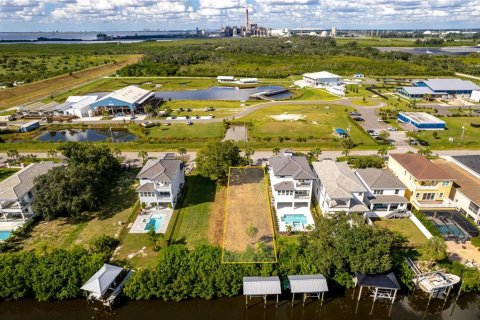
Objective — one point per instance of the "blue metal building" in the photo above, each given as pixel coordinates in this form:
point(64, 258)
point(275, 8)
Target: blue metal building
point(421, 120)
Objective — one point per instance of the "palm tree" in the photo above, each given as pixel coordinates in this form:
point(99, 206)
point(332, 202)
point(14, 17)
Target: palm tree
point(182, 151)
point(52, 153)
point(346, 153)
point(13, 154)
point(435, 249)
point(143, 155)
point(382, 152)
point(289, 229)
point(316, 152)
point(276, 151)
point(426, 152)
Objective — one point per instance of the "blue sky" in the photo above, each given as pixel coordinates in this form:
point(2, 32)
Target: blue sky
point(104, 15)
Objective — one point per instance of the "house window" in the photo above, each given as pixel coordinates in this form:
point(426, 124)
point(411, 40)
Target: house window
point(428, 196)
point(397, 191)
point(473, 207)
point(377, 191)
point(440, 195)
point(417, 195)
point(445, 183)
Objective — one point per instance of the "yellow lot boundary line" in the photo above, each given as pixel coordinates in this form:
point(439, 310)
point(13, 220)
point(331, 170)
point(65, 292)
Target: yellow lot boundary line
point(271, 219)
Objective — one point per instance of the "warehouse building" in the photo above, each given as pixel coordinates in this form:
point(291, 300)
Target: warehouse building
point(439, 88)
point(79, 106)
point(322, 79)
point(127, 100)
point(421, 120)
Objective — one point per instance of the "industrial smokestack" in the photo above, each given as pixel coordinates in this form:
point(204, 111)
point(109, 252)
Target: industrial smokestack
point(246, 21)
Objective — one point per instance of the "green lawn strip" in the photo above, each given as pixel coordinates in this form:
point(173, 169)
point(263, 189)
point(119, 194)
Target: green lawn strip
point(471, 136)
point(193, 215)
point(7, 172)
point(316, 94)
point(178, 131)
point(137, 250)
point(73, 235)
point(406, 228)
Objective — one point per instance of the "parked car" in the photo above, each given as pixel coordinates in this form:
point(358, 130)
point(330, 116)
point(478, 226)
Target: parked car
point(392, 129)
point(197, 117)
point(148, 124)
point(189, 123)
point(354, 114)
point(118, 115)
point(173, 117)
point(132, 117)
point(380, 120)
point(187, 117)
point(209, 109)
point(189, 110)
point(371, 132)
point(212, 116)
point(167, 123)
point(358, 119)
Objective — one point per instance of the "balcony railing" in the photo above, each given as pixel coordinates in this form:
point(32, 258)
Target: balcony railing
point(435, 187)
point(302, 196)
point(303, 184)
point(433, 204)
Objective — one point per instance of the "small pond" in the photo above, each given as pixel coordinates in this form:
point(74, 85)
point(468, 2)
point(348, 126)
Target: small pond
point(220, 93)
point(87, 135)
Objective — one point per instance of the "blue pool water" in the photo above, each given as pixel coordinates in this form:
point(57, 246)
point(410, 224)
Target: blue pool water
point(155, 222)
point(294, 218)
point(450, 229)
point(5, 234)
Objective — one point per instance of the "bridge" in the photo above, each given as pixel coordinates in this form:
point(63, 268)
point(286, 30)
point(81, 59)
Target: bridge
point(265, 94)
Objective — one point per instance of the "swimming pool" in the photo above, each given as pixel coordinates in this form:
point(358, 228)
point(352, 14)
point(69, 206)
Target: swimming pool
point(450, 229)
point(155, 223)
point(5, 234)
point(294, 219)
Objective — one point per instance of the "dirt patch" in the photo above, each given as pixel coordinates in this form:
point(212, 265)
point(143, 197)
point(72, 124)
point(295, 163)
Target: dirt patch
point(248, 208)
point(217, 217)
point(288, 117)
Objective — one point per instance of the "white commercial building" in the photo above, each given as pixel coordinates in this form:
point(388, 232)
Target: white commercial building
point(79, 106)
point(322, 79)
point(226, 78)
point(475, 97)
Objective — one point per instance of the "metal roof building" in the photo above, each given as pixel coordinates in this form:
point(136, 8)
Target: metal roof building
point(421, 120)
point(384, 285)
point(261, 287)
point(322, 78)
point(130, 97)
point(438, 88)
point(314, 285)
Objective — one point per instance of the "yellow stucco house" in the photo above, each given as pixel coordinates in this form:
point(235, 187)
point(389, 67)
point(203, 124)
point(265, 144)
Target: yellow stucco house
point(428, 185)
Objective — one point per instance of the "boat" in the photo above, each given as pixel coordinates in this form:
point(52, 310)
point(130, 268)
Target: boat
point(437, 283)
point(428, 52)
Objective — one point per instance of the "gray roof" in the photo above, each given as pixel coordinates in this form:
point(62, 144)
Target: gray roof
point(383, 281)
point(160, 169)
point(147, 187)
point(338, 179)
point(261, 285)
point(472, 162)
point(21, 182)
point(450, 84)
point(284, 186)
point(389, 199)
point(102, 279)
point(418, 90)
point(295, 166)
point(357, 206)
point(380, 179)
point(308, 283)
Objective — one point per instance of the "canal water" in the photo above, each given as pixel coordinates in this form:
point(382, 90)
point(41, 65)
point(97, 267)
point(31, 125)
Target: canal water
point(87, 135)
point(220, 93)
point(338, 308)
point(449, 51)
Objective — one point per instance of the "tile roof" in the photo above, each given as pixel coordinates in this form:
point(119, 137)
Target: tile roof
point(465, 182)
point(21, 182)
point(337, 178)
point(284, 186)
point(295, 166)
point(380, 179)
point(420, 167)
point(147, 187)
point(160, 169)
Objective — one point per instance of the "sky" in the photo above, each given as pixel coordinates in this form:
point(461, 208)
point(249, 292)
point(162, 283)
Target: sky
point(124, 15)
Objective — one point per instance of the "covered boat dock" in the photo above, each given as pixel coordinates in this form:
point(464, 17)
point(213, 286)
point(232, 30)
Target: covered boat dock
point(314, 285)
point(383, 286)
point(261, 287)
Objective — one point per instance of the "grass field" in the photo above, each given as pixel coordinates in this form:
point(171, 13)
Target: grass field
point(6, 172)
point(471, 137)
point(316, 124)
point(316, 94)
point(367, 102)
point(406, 228)
point(52, 86)
point(111, 220)
point(178, 131)
point(222, 108)
point(248, 234)
point(193, 215)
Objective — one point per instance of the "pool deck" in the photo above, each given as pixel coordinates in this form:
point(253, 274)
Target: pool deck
point(144, 216)
point(282, 226)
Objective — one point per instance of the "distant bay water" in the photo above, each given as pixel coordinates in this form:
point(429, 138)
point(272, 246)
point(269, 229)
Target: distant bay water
point(88, 37)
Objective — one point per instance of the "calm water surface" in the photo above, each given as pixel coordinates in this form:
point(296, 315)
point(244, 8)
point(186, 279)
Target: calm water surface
point(412, 307)
point(86, 135)
point(220, 93)
point(449, 51)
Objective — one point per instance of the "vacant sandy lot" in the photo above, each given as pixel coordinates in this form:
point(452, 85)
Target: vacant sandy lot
point(247, 207)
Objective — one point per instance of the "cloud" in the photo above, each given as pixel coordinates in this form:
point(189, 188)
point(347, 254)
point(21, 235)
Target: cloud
point(269, 13)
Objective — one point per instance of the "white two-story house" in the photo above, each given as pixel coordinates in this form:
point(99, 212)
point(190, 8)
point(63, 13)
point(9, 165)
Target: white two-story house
point(161, 181)
point(385, 192)
point(337, 188)
point(17, 194)
point(291, 180)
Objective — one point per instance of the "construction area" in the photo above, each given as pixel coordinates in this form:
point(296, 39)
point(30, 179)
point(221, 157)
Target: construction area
point(248, 230)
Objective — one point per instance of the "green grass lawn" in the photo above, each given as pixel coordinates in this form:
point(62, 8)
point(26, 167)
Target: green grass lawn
point(192, 217)
point(7, 172)
point(315, 94)
point(222, 108)
point(316, 125)
point(180, 130)
point(112, 220)
point(406, 228)
point(471, 138)
point(137, 250)
point(367, 102)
